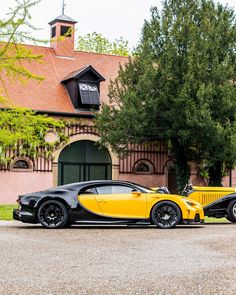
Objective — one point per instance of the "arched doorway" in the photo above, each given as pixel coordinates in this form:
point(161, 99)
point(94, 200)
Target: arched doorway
point(82, 161)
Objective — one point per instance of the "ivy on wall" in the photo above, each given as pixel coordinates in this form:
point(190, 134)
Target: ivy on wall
point(24, 131)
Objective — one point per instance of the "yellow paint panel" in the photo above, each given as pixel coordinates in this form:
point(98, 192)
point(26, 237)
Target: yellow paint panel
point(122, 205)
point(89, 202)
point(214, 189)
point(210, 194)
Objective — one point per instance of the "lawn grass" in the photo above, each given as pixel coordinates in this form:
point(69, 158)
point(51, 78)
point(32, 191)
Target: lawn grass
point(6, 212)
point(215, 220)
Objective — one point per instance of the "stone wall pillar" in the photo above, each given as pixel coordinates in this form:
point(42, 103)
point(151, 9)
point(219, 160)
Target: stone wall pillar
point(55, 173)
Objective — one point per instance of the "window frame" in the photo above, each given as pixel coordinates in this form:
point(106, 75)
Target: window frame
point(25, 159)
point(121, 185)
point(86, 188)
point(53, 32)
point(62, 27)
point(80, 99)
point(143, 162)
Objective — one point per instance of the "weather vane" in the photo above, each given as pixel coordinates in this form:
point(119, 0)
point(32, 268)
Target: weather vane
point(63, 7)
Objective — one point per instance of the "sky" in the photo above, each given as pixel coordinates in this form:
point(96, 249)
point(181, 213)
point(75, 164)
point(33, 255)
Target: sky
point(111, 18)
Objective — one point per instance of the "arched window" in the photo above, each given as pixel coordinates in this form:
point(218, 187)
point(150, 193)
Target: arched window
point(21, 164)
point(143, 167)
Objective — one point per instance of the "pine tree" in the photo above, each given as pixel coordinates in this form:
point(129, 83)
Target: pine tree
point(180, 87)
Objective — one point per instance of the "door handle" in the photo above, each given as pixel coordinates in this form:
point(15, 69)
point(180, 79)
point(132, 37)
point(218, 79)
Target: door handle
point(102, 201)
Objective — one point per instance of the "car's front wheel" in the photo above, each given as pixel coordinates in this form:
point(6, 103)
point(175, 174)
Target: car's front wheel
point(166, 214)
point(52, 214)
point(232, 211)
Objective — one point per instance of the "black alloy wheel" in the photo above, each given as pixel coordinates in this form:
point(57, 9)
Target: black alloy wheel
point(166, 214)
point(52, 214)
point(232, 211)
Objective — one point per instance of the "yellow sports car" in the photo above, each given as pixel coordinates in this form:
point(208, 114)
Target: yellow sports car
point(106, 202)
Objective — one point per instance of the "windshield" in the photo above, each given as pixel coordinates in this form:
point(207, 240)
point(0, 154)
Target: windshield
point(144, 189)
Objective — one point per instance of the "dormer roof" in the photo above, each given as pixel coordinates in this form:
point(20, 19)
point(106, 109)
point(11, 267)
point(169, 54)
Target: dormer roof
point(79, 73)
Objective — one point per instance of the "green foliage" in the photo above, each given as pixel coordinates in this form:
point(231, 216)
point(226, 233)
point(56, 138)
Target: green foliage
point(13, 56)
point(97, 43)
point(180, 87)
point(21, 130)
point(24, 131)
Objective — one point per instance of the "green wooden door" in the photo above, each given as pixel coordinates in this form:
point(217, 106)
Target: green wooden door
point(81, 161)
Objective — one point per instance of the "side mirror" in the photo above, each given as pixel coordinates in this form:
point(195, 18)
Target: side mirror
point(136, 194)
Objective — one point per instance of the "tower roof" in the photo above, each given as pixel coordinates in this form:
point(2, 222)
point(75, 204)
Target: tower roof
point(63, 18)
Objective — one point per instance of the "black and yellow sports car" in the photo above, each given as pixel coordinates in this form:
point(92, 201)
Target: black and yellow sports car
point(106, 202)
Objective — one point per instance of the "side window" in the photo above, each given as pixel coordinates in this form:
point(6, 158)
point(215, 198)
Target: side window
point(65, 31)
point(88, 191)
point(53, 32)
point(114, 189)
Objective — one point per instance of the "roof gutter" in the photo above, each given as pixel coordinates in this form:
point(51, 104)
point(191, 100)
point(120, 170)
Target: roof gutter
point(63, 114)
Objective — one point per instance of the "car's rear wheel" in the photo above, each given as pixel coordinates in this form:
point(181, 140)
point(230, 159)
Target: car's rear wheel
point(232, 211)
point(166, 214)
point(52, 214)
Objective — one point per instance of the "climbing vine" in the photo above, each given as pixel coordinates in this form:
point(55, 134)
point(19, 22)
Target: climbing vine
point(24, 131)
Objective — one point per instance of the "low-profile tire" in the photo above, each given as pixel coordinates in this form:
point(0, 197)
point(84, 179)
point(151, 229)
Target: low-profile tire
point(52, 214)
point(166, 214)
point(232, 211)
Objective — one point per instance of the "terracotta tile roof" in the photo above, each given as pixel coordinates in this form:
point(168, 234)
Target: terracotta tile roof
point(51, 95)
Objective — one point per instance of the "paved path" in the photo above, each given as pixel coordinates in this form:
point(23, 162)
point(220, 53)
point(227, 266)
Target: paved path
point(117, 260)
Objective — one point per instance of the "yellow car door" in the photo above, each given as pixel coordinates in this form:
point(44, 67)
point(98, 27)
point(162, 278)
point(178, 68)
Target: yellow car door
point(121, 201)
point(88, 200)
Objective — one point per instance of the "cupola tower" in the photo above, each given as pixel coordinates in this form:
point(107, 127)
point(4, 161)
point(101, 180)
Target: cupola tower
point(63, 35)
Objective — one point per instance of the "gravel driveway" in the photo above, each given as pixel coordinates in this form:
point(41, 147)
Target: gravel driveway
point(117, 260)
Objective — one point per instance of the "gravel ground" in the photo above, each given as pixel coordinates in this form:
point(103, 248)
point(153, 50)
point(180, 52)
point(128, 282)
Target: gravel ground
point(117, 260)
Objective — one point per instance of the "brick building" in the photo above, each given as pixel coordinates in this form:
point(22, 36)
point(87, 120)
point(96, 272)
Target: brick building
point(74, 82)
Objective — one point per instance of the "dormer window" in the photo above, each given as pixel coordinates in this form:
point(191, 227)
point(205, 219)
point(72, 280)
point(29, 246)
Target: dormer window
point(89, 94)
point(83, 87)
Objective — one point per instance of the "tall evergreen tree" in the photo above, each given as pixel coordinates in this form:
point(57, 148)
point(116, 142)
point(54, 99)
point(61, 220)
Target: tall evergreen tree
point(179, 87)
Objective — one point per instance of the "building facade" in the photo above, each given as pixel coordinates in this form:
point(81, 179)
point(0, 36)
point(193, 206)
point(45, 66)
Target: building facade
point(74, 82)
